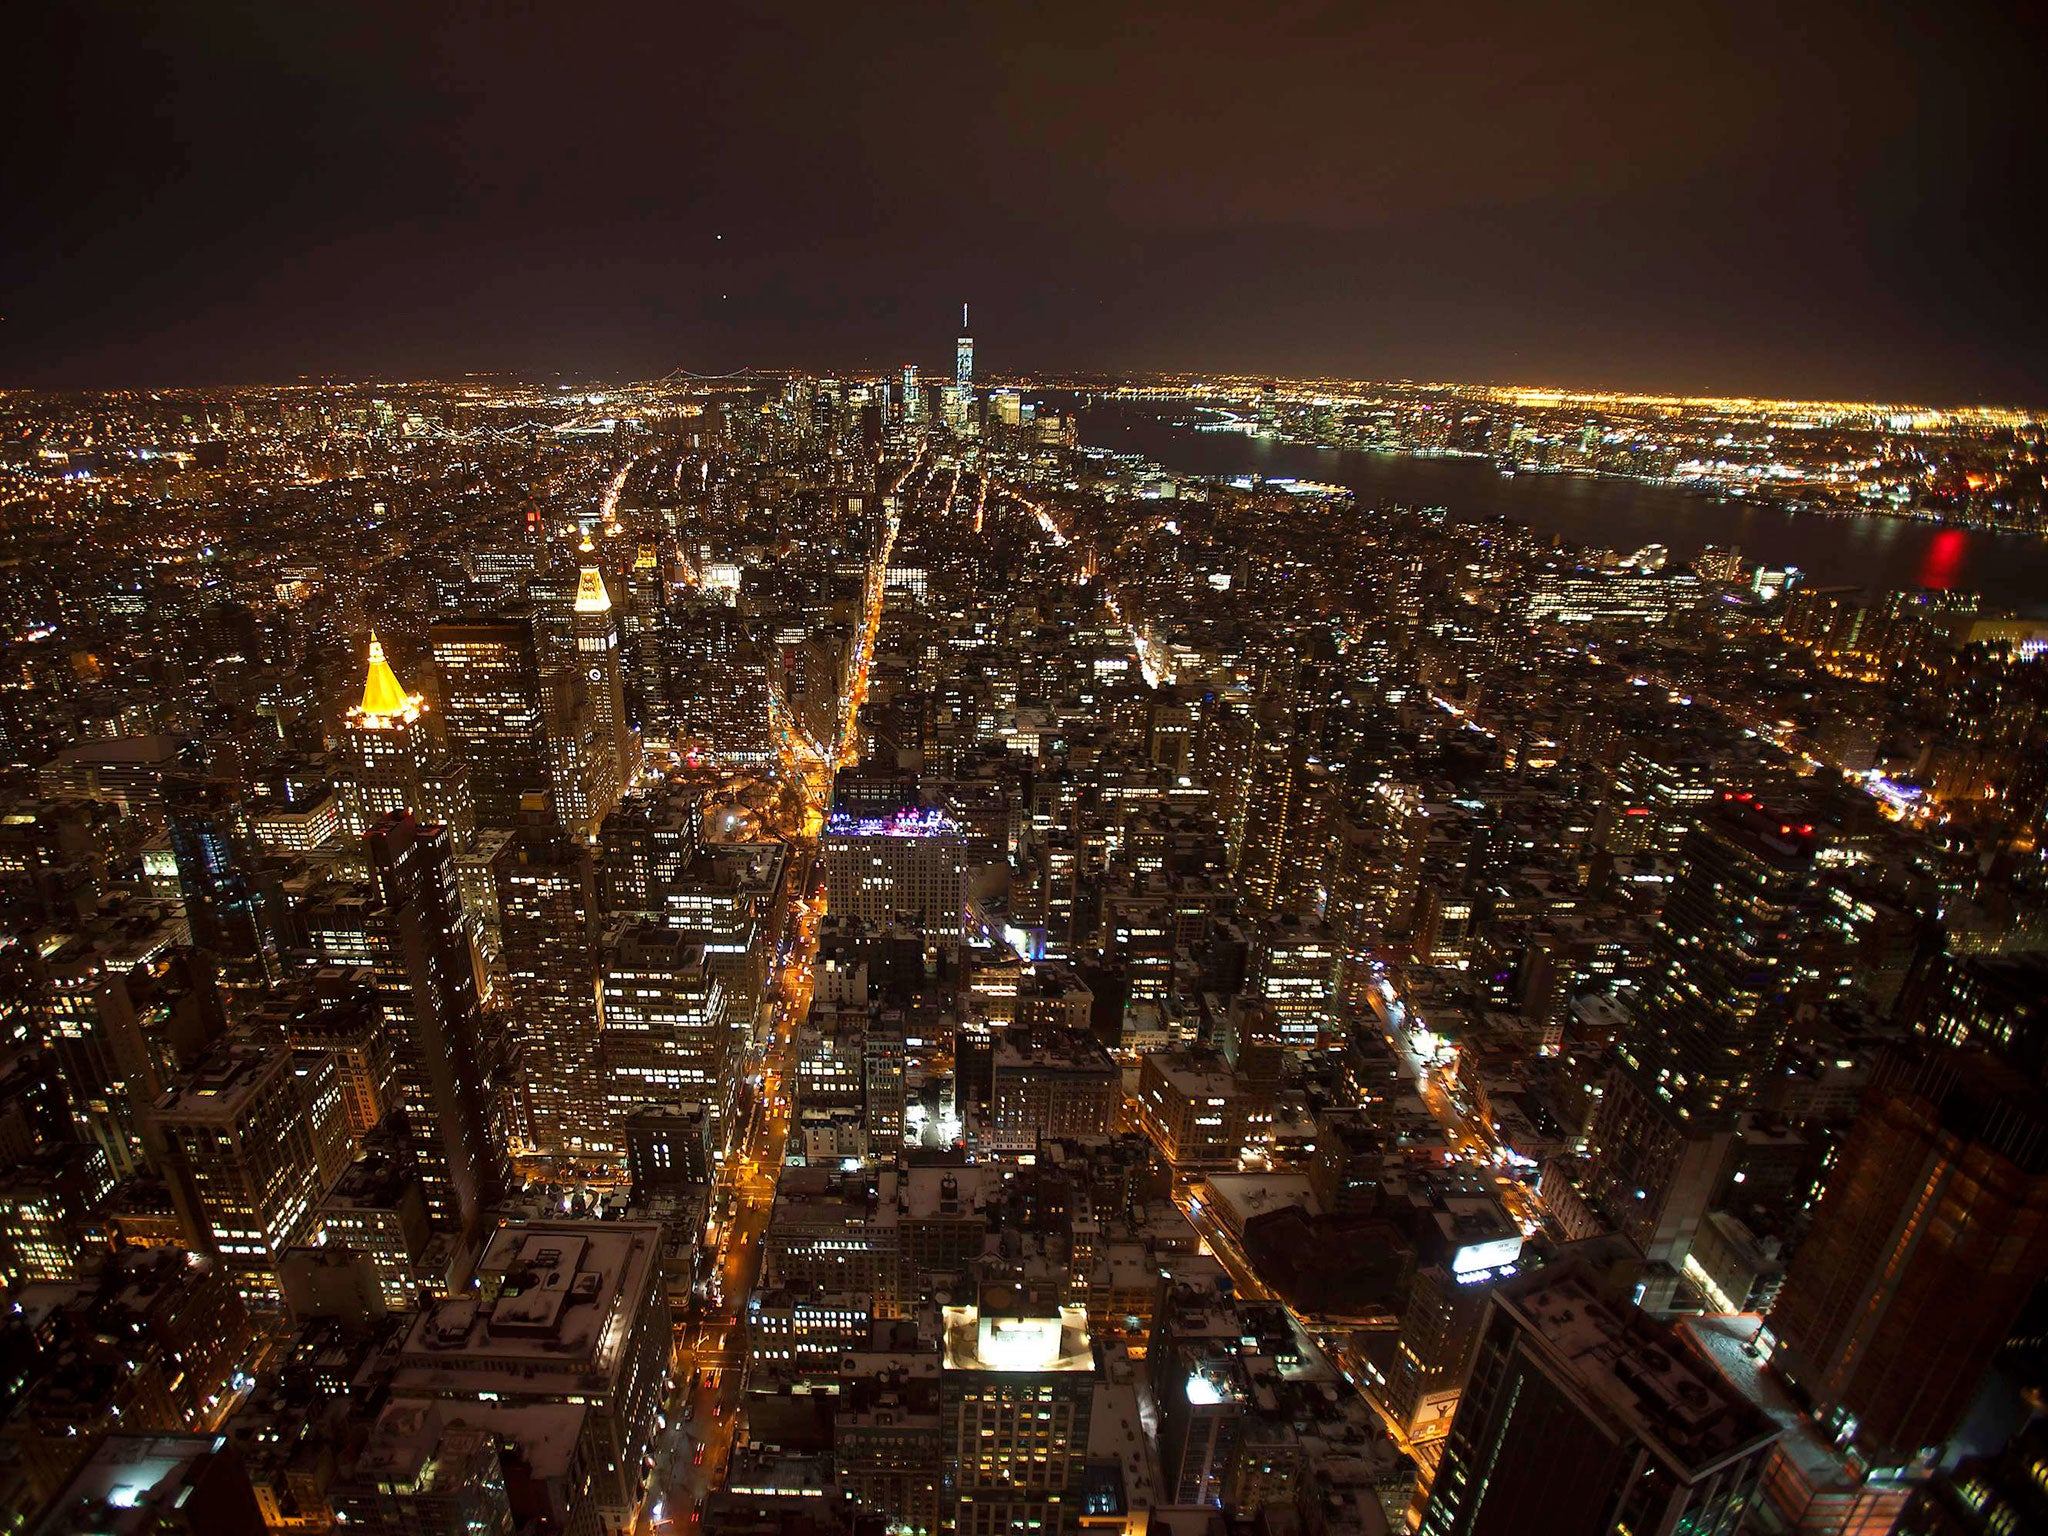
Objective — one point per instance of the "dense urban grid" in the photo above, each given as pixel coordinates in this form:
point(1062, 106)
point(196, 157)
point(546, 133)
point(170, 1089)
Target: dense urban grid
point(819, 954)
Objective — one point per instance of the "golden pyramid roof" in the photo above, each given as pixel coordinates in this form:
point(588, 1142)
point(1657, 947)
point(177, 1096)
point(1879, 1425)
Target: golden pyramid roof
point(382, 693)
point(591, 596)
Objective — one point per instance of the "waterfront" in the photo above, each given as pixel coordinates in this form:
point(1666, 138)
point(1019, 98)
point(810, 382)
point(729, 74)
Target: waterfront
point(1608, 512)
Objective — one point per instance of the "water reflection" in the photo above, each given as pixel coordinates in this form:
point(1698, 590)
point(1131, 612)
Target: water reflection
point(1880, 553)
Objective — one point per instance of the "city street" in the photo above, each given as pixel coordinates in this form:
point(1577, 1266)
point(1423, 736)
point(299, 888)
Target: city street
point(697, 1447)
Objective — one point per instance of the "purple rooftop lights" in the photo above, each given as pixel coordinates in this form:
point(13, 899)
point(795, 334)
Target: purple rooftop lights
point(927, 821)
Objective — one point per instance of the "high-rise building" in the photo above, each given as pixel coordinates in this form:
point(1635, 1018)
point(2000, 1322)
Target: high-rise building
point(1731, 952)
point(547, 922)
point(387, 740)
point(884, 1099)
point(1050, 1085)
point(579, 760)
point(102, 1061)
point(1294, 973)
point(1016, 1389)
point(963, 357)
point(1200, 1386)
point(1655, 795)
point(1931, 1235)
point(666, 1034)
point(378, 1213)
point(427, 1470)
point(1997, 1003)
point(409, 928)
point(912, 405)
point(1582, 1414)
point(255, 1137)
point(495, 709)
point(565, 1339)
point(715, 678)
point(1730, 948)
point(1201, 1112)
point(50, 1204)
point(644, 847)
point(338, 1014)
point(601, 669)
point(233, 905)
point(1653, 1174)
point(836, 1231)
point(668, 1147)
point(909, 868)
point(1260, 809)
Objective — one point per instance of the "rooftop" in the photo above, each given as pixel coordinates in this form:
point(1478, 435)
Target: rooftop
point(555, 1304)
point(130, 1482)
point(912, 823)
point(223, 1084)
point(1645, 1373)
point(1056, 1341)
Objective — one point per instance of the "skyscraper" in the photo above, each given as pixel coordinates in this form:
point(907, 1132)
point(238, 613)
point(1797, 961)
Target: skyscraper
point(1993, 1002)
point(231, 905)
point(102, 1063)
point(666, 1034)
point(1583, 1415)
point(1729, 955)
point(411, 930)
point(599, 663)
point(1200, 1384)
point(882, 1087)
point(963, 357)
point(386, 736)
point(715, 680)
point(1931, 1235)
point(1259, 837)
point(492, 700)
point(907, 868)
point(646, 844)
point(547, 923)
point(256, 1136)
point(1728, 958)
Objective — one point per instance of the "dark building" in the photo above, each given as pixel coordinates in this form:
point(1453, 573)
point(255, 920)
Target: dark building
point(1931, 1236)
point(668, 1147)
point(230, 901)
point(136, 1482)
point(2000, 1495)
point(1582, 1414)
point(547, 923)
point(1729, 952)
point(1990, 1002)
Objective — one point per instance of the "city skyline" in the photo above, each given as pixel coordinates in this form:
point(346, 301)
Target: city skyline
point(1124, 901)
point(892, 946)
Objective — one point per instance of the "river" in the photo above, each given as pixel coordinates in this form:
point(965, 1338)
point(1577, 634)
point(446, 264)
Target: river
point(1607, 512)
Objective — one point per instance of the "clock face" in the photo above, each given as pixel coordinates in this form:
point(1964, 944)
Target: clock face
point(597, 674)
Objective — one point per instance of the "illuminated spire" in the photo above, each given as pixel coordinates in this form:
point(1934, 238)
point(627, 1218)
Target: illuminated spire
point(591, 597)
point(383, 696)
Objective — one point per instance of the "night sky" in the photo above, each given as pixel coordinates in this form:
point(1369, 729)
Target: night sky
point(1812, 198)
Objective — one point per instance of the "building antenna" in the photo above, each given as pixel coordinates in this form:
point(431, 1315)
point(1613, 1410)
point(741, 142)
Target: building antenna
point(963, 319)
